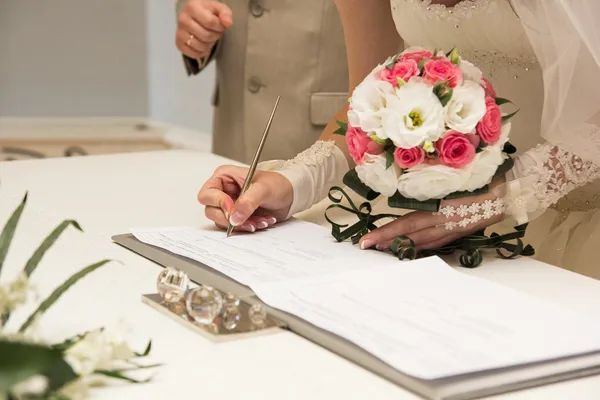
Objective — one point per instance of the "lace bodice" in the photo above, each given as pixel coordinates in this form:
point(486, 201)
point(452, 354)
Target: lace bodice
point(489, 34)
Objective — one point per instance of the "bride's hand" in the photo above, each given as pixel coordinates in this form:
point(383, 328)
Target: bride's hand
point(428, 230)
point(267, 200)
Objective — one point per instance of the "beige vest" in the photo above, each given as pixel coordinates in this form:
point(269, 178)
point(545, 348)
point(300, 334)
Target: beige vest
point(290, 48)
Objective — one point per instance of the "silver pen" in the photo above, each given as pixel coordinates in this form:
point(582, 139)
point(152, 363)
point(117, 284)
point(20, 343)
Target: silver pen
point(252, 169)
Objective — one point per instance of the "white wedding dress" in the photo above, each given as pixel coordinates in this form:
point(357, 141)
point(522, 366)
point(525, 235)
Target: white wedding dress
point(490, 34)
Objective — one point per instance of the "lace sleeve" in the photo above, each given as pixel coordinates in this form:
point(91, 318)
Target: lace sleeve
point(541, 177)
point(312, 173)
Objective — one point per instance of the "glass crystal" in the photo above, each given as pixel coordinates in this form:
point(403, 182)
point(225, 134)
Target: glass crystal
point(231, 319)
point(172, 284)
point(232, 302)
point(204, 304)
point(257, 314)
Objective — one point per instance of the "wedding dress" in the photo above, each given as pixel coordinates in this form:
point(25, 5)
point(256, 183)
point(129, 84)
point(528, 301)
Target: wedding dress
point(491, 35)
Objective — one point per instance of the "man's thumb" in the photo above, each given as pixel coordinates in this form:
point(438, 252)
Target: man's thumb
point(247, 204)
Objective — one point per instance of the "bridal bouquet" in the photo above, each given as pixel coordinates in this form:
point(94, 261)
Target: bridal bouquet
point(423, 127)
point(32, 368)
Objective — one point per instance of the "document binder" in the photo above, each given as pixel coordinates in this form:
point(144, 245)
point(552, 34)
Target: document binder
point(463, 387)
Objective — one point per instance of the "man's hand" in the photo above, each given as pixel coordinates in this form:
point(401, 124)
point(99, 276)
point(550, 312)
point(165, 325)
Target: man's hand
point(200, 25)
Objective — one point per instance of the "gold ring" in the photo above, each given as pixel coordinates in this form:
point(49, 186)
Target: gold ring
point(189, 41)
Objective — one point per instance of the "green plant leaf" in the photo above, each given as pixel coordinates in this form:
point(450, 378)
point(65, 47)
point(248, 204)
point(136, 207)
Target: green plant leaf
point(509, 148)
point(343, 128)
point(55, 295)
point(392, 62)
point(9, 230)
point(448, 54)
point(482, 145)
point(352, 180)
point(389, 158)
point(146, 351)
point(500, 101)
point(454, 59)
point(116, 374)
point(20, 361)
point(458, 195)
point(399, 201)
point(35, 259)
point(509, 116)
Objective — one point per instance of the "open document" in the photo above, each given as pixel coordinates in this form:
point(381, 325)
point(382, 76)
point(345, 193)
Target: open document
point(422, 317)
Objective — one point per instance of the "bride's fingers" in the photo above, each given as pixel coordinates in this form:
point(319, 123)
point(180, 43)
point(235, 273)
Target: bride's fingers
point(253, 223)
point(427, 235)
point(408, 224)
point(212, 194)
point(441, 242)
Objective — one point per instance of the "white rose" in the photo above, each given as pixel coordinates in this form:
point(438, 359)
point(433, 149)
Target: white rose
point(366, 103)
point(483, 167)
point(470, 71)
point(426, 182)
point(373, 173)
point(504, 133)
point(466, 107)
point(413, 115)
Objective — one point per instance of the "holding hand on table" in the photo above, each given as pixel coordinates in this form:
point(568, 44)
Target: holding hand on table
point(200, 25)
point(267, 200)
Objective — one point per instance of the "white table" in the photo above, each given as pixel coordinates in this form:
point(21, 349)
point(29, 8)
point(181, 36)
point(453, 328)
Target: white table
point(108, 195)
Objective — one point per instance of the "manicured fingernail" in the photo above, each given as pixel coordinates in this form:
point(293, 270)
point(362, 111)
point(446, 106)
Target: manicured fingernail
point(365, 244)
point(262, 225)
point(236, 219)
point(381, 247)
point(272, 221)
point(248, 227)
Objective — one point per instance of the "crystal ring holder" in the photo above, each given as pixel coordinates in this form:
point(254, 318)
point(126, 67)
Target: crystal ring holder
point(206, 310)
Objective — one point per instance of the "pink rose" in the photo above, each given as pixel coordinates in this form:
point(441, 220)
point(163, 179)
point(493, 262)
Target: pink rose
point(489, 89)
point(416, 56)
point(402, 69)
point(490, 126)
point(360, 144)
point(442, 70)
point(455, 150)
point(407, 158)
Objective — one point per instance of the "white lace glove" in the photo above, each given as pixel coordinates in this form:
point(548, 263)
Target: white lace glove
point(312, 173)
point(541, 177)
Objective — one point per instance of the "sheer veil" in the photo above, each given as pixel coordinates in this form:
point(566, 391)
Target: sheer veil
point(565, 36)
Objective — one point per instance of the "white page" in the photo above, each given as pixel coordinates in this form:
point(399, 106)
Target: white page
point(295, 249)
point(430, 321)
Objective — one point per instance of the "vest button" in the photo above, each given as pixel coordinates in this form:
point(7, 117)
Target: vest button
point(254, 85)
point(256, 9)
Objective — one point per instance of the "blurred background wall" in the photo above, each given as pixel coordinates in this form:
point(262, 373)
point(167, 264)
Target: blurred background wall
point(98, 58)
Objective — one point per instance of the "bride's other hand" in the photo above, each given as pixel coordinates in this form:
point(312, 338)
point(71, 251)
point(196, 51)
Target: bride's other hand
point(267, 200)
point(429, 230)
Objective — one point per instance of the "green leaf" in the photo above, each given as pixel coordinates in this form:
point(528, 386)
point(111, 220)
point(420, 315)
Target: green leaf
point(389, 158)
point(392, 62)
point(482, 145)
point(9, 231)
point(55, 295)
point(343, 128)
point(20, 361)
point(421, 64)
point(448, 54)
point(146, 351)
point(399, 201)
point(500, 101)
point(116, 374)
point(454, 59)
point(509, 148)
point(443, 92)
point(47, 243)
point(458, 195)
point(352, 180)
point(509, 116)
